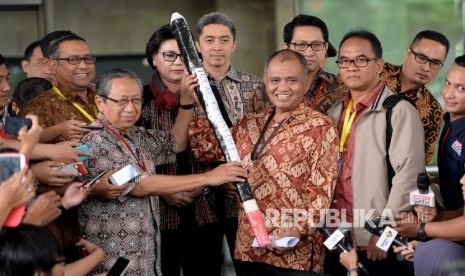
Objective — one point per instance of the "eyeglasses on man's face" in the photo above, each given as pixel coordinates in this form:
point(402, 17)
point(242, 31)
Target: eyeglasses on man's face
point(360, 61)
point(315, 46)
point(170, 56)
point(422, 59)
point(74, 60)
point(125, 102)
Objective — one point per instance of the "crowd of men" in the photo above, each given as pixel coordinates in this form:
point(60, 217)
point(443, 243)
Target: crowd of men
point(312, 144)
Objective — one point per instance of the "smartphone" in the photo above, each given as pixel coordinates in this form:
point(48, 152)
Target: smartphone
point(91, 182)
point(11, 163)
point(13, 124)
point(91, 127)
point(76, 168)
point(83, 147)
point(119, 267)
point(124, 175)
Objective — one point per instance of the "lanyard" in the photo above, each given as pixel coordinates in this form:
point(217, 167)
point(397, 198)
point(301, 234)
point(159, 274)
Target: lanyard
point(317, 95)
point(88, 116)
point(348, 120)
point(257, 150)
point(123, 140)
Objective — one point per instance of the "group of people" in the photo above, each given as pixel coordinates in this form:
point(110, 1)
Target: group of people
point(313, 146)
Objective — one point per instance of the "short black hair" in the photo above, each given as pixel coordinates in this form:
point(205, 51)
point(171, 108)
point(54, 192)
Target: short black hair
point(431, 35)
point(55, 46)
point(29, 88)
point(2, 60)
point(158, 37)
point(460, 61)
point(49, 38)
point(367, 35)
point(216, 18)
point(30, 49)
point(286, 54)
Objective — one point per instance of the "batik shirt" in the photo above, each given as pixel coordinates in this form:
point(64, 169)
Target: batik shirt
point(160, 114)
point(127, 226)
point(428, 107)
point(52, 109)
point(294, 170)
point(236, 91)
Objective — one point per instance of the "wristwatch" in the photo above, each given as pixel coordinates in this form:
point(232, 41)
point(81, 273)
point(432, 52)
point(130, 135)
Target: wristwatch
point(421, 234)
point(186, 106)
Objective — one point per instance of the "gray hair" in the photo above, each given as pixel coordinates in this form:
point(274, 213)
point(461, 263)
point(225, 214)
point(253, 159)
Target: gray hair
point(104, 79)
point(216, 18)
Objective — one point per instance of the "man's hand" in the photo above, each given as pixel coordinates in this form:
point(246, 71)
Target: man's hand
point(103, 188)
point(408, 225)
point(29, 138)
point(374, 253)
point(65, 152)
point(230, 190)
point(46, 174)
point(74, 195)
point(406, 252)
point(72, 129)
point(178, 199)
point(44, 209)
point(426, 214)
point(229, 172)
point(15, 192)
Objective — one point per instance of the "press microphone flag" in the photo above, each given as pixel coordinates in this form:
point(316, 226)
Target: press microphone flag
point(423, 196)
point(206, 96)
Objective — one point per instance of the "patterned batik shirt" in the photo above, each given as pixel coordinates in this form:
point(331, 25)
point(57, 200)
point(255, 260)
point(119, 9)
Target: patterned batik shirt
point(428, 107)
point(236, 91)
point(295, 170)
point(52, 109)
point(162, 117)
point(127, 226)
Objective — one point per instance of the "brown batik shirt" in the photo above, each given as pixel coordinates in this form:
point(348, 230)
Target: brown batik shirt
point(428, 107)
point(295, 170)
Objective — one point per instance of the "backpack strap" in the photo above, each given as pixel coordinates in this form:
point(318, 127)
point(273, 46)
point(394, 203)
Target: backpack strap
point(388, 104)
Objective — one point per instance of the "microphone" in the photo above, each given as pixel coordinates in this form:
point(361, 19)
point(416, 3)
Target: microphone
point(377, 227)
point(423, 196)
point(345, 243)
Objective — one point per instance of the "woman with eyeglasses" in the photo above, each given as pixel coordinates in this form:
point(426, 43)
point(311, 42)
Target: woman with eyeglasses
point(181, 213)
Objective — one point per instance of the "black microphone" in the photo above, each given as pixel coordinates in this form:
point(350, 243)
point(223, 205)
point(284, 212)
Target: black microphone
point(344, 244)
point(376, 227)
point(423, 196)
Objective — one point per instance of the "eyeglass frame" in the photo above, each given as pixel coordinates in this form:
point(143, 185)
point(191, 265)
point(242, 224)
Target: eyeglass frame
point(353, 61)
point(170, 52)
point(122, 102)
point(68, 59)
point(431, 61)
point(324, 43)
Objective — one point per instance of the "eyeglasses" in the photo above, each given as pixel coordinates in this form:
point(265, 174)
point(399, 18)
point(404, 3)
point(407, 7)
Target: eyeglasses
point(315, 46)
point(358, 61)
point(170, 56)
point(77, 60)
point(422, 59)
point(124, 102)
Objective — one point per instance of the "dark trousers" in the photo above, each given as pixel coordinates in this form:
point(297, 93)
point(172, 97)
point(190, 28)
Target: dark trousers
point(259, 269)
point(197, 250)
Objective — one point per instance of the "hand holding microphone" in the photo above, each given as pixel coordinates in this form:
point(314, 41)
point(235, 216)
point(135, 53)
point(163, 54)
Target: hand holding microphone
point(423, 196)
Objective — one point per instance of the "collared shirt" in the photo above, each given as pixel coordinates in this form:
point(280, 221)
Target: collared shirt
point(127, 226)
point(451, 161)
point(295, 170)
point(428, 107)
point(325, 91)
point(52, 109)
point(236, 91)
point(343, 197)
point(158, 116)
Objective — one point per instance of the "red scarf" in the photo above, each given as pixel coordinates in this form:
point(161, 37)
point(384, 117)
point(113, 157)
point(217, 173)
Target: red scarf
point(163, 97)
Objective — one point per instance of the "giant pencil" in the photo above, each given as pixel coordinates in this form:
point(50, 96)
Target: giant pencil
point(205, 92)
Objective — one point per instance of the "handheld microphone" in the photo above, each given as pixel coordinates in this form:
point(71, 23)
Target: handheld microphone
point(423, 196)
point(377, 227)
point(345, 244)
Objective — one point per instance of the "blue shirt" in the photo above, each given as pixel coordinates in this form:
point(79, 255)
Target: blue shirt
point(451, 161)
